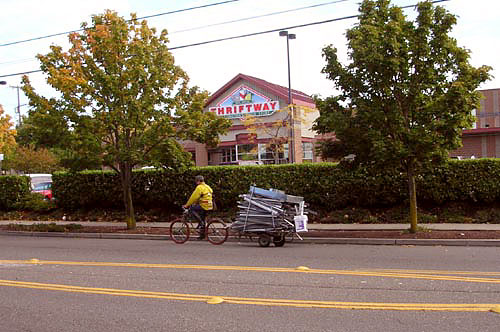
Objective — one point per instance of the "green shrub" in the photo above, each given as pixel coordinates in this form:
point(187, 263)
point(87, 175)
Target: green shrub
point(491, 215)
point(12, 190)
point(52, 227)
point(34, 202)
point(325, 186)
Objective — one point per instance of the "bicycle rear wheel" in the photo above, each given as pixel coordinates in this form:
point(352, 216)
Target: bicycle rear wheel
point(217, 232)
point(179, 231)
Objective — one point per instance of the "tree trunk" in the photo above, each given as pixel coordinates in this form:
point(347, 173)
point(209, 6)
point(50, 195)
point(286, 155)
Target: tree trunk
point(126, 179)
point(413, 198)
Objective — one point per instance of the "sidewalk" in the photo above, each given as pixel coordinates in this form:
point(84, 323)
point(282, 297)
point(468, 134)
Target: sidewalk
point(346, 227)
point(318, 233)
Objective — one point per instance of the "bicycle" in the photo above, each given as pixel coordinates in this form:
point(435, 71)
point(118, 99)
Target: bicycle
point(181, 229)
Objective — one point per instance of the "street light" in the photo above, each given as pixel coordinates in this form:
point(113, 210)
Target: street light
point(288, 37)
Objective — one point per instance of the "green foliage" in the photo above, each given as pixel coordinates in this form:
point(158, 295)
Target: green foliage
point(13, 189)
point(52, 227)
point(34, 202)
point(28, 159)
point(408, 90)
point(171, 155)
point(325, 186)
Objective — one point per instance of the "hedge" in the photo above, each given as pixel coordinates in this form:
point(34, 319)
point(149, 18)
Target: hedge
point(324, 185)
point(12, 190)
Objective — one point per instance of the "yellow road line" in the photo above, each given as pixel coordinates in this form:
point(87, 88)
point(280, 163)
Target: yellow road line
point(462, 307)
point(375, 273)
point(476, 273)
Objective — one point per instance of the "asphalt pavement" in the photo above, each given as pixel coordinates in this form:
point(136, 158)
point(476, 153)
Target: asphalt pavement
point(319, 233)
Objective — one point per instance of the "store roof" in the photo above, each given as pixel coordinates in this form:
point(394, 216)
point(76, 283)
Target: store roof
point(278, 90)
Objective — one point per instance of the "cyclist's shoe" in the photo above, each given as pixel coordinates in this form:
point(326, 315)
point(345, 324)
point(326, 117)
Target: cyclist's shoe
point(202, 236)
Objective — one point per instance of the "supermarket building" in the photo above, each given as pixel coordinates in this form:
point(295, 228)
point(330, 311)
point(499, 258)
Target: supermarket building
point(267, 103)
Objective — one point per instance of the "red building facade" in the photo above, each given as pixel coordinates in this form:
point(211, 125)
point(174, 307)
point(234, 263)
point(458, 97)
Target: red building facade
point(483, 141)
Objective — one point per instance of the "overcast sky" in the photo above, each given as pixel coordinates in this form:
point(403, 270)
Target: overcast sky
point(211, 66)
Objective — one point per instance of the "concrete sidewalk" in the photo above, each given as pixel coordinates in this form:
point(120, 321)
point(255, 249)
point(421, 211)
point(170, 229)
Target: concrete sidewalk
point(307, 237)
point(319, 227)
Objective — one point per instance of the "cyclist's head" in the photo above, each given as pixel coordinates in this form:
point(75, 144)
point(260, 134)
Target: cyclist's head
point(199, 179)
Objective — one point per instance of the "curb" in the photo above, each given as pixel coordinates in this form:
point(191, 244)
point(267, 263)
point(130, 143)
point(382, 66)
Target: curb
point(309, 240)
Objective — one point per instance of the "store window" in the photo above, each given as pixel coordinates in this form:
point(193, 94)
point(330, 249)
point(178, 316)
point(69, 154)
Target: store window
point(307, 151)
point(228, 155)
point(268, 156)
point(248, 152)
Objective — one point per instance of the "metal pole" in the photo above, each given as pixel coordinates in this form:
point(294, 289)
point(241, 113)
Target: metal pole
point(291, 148)
point(18, 105)
point(289, 80)
point(291, 154)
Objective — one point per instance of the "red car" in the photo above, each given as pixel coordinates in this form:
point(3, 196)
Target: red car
point(44, 188)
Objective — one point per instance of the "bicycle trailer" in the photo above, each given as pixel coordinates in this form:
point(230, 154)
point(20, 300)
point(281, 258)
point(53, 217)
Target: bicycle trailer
point(271, 216)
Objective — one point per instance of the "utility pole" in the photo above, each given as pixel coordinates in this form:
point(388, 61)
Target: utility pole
point(18, 102)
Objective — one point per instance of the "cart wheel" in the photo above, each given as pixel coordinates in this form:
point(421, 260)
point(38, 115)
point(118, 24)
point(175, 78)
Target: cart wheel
point(279, 241)
point(179, 231)
point(216, 231)
point(264, 240)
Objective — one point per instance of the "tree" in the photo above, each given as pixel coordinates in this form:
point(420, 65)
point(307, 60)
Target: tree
point(277, 132)
point(31, 160)
point(406, 94)
point(7, 134)
point(122, 96)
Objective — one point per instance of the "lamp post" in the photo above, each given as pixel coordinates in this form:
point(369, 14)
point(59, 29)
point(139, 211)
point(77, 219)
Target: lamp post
point(291, 149)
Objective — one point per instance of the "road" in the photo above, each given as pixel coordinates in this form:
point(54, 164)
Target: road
point(56, 284)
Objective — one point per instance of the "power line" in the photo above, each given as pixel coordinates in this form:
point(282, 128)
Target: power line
point(286, 28)
point(217, 24)
point(249, 34)
point(257, 16)
point(139, 18)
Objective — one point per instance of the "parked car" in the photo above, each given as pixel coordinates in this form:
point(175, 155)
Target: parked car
point(44, 188)
point(41, 183)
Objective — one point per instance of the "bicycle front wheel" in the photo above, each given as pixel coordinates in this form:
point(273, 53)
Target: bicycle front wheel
point(179, 231)
point(217, 232)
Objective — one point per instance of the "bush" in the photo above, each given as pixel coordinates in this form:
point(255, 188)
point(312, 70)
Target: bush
point(12, 190)
point(52, 227)
point(325, 186)
point(34, 202)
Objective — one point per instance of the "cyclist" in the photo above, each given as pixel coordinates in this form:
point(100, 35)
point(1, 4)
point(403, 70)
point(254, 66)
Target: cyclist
point(200, 203)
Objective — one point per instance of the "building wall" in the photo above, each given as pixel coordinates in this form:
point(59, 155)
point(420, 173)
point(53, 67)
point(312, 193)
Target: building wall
point(488, 116)
point(472, 146)
point(484, 140)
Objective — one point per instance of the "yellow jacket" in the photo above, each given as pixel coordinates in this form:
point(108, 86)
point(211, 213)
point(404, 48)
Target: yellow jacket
point(201, 195)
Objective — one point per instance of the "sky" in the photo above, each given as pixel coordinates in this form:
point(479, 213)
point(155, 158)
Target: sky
point(212, 65)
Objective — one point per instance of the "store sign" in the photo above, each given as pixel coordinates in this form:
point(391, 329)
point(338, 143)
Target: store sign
point(245, 101)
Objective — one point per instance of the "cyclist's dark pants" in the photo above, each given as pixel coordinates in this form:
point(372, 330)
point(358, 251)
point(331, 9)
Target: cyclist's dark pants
point(199, 213)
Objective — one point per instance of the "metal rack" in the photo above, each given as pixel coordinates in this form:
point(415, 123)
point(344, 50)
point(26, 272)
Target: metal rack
point(271, 215)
